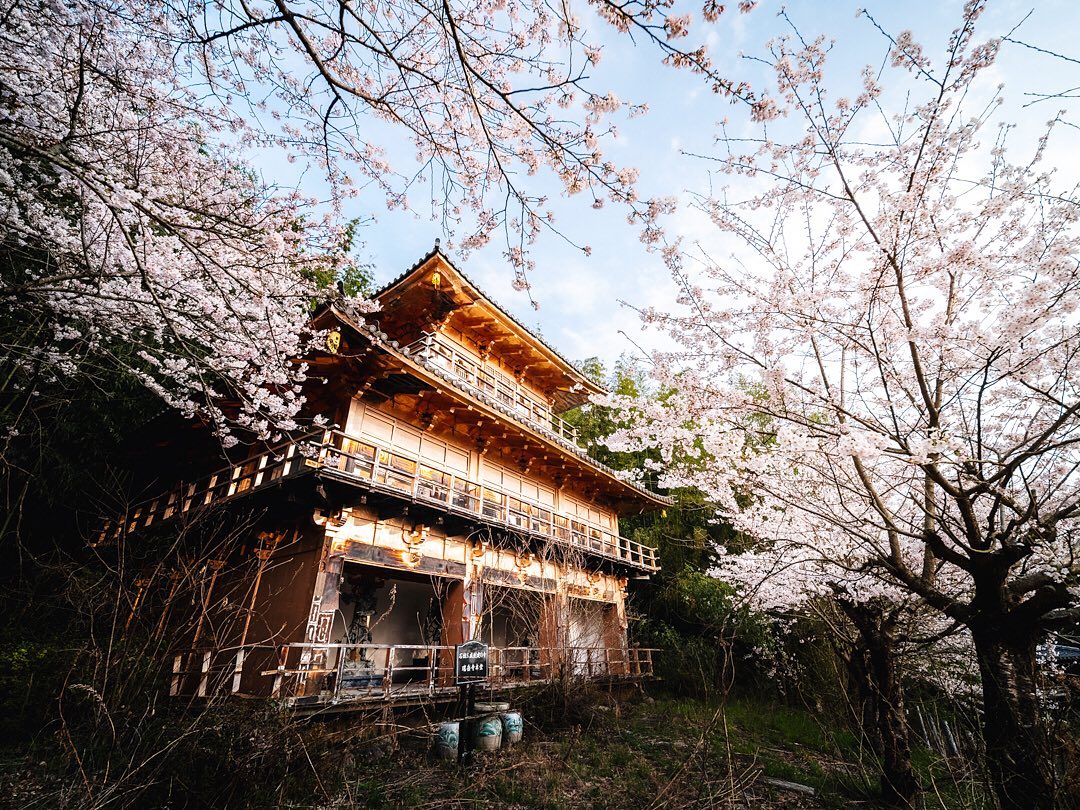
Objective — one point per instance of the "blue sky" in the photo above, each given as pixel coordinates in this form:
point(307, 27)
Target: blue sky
point(579, 297)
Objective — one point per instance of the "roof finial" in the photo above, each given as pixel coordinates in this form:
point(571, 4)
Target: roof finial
point(437, 241)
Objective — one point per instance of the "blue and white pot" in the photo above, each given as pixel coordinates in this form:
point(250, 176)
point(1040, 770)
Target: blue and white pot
point(446, 740)
point(513, 727)
point(489, 733)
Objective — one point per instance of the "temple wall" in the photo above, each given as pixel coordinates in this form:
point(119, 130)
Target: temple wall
point(407, 545)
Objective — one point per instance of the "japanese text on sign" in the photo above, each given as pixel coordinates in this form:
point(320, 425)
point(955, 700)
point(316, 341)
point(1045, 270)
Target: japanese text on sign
point(471, 662)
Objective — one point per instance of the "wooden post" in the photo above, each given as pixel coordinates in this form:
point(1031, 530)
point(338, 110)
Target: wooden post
point(283, 658)
point(263, 555)
point(549, 642)
point(259, 475)
point(467, 736)
point(204, 673)
point(174, 582)
point(234, 480)
point(177, 670)
point(142, 585)
point(215, 566)
point(453, 610)
point(432, 667)
point(238, 670)
point(286, 468)
point(341, 651)
point(388, 669)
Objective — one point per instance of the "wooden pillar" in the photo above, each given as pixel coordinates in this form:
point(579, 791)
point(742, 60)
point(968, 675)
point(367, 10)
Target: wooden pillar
point(141, 586)
point(478, 467)
point(621, 623)
point(267, 545)
point(175, 577)
point(614, 636)
point(324, 604)
point(453, 608)
point(552, 621)
point(474, 606)
point(214, 566)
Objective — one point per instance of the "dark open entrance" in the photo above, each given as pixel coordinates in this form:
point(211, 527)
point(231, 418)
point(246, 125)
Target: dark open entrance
point(389, 628)
point(511, 623)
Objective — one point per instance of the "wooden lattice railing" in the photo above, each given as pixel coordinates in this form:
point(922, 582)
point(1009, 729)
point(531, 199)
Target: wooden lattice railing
point(379, 468)
point(333, 673)
point(481, 379)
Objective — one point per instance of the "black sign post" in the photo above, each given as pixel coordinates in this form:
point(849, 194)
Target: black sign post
point(470, 668)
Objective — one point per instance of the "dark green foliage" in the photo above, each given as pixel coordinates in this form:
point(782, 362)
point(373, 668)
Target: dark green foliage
point(593, 423)
point(355, 279)
point(31, 676)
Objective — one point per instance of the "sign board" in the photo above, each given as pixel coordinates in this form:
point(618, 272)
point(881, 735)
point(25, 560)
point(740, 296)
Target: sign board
point(471, 662)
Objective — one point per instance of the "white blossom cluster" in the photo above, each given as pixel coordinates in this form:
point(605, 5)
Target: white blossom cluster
point(488, 93)
point(883, 397)
point(130, 240)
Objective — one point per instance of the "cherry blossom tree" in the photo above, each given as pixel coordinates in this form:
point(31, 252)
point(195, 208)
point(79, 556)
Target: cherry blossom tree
point(886, 639)
point(129, 240)
point(489, 92)
point(882, 394)
point(132, 232)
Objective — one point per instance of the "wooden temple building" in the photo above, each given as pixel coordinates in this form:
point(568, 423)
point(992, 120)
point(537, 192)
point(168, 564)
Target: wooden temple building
point(447, 501)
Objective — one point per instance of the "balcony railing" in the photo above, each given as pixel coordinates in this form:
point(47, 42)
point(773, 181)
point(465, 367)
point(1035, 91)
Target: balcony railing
point(422, 480)
point(489, 384)
point(259, 472)
point(388, 470)
point(336, 673)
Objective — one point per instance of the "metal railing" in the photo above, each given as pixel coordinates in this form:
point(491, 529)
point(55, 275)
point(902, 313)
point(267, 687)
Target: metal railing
point(333, 673)
point(486, 381)
point(389, 470)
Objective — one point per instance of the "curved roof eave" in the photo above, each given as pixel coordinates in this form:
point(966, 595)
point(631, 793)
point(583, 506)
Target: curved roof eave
point(377, 338)
point(553, 354)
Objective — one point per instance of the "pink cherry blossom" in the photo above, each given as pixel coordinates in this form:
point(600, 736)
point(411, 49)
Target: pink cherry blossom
point(879, 390)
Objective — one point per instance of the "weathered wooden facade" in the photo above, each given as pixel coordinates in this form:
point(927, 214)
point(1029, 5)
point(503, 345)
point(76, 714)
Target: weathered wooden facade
point(447, 501)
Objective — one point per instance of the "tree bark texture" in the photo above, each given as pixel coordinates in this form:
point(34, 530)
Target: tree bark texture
point(1018, 758)
point(882, 709)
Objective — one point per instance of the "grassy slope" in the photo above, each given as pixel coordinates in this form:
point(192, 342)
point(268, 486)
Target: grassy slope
point(664, 753)
point(581, 750)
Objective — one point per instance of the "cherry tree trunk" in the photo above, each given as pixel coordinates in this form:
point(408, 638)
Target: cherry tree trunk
point(882, 711)
point(899, 786)
point(1017, 751)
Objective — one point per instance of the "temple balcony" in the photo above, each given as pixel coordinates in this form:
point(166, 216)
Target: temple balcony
point(488, 385)
point(362, 462)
